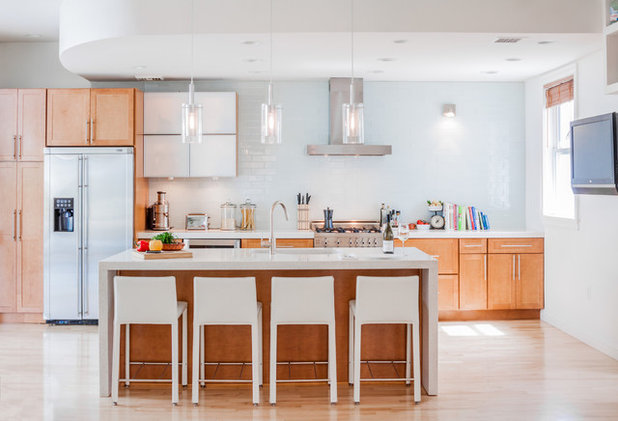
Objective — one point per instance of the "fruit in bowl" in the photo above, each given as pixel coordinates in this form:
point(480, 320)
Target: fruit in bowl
point(169, 242)
point(422, 225)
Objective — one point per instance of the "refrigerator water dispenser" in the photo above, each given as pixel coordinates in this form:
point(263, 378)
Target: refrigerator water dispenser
point(63, 214)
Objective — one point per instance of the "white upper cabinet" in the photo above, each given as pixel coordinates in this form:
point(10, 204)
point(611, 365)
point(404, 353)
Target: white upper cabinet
point(162, 112)
point(214, 157)
point(165, 156)
point(164, 153)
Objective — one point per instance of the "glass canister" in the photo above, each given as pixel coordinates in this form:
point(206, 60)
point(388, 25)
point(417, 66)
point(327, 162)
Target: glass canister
point(228, 216)
point(247, 211)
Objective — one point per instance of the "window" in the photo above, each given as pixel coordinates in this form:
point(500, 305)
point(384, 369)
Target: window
point(558, 198)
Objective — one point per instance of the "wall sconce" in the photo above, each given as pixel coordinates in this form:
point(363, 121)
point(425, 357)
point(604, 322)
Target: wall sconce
point(449, 110)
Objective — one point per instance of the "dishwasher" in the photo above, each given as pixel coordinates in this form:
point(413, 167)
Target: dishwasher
point(213, 243)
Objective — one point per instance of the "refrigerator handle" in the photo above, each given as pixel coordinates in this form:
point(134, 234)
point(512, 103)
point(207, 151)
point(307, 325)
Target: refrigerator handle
point(85, 197)
point(80, 271)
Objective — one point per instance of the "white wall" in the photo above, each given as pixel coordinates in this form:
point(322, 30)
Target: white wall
point(476, 158)
point(581, 279)
point(35, 65)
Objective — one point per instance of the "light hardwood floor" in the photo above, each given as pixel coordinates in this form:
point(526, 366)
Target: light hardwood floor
point(508, 370)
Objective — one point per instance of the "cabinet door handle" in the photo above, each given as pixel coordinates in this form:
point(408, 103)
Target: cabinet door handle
point(473, 245)
point(87, 130)
point(91, 130)
point(516, 245)
point(21, 146)
point(15, 225)
point(15, 147)
point(519, 267)
point(485, 267)
point(21, 224)
point(513, 267)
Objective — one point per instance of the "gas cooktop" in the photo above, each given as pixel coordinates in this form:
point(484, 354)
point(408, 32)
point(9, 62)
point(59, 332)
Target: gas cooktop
point(347, 234)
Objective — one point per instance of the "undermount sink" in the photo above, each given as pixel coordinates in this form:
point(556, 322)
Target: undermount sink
point(300, 251)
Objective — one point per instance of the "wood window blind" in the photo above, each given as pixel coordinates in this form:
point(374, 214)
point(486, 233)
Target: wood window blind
point(559, 92)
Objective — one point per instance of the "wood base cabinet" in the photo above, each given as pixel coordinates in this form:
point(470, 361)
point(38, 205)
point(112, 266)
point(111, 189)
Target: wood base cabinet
point(515, 281)
point(448, 292)
point(473, 282)
point(91, 117)
point(21, 248)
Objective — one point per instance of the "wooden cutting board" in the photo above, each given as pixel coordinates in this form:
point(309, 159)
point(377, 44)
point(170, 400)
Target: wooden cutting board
point(182, 254)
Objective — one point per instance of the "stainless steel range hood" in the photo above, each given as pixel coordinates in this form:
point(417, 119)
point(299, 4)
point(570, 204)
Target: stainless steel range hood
point(339, 93)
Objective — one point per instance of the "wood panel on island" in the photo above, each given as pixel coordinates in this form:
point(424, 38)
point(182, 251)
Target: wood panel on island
point(483, 279)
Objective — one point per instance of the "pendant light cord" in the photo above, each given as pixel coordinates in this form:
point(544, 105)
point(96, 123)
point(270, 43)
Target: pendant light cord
point(270, 83)
point(352, 51)
point(192, 39)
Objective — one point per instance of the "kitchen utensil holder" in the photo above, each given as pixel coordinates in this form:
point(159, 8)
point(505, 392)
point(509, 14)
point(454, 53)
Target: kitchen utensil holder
point(303, 223)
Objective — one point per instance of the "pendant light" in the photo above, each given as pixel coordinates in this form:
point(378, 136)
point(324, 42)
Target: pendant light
point(192, 112)
point(271, 113)
point(352, 113)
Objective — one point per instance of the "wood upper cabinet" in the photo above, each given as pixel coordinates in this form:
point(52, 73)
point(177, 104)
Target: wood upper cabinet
point(29, 245)
point(515, 281)
point(8, 124)
point(8, 236)
point(448, 292)
point(68, 117)
point(254, 243)
point(473, 282)
point(90, 117)
point(445, 250)
point(112, 117)
point(529, 285)
point(22, 124)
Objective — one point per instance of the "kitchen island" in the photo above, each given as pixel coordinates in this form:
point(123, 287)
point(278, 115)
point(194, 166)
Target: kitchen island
point(296, 343)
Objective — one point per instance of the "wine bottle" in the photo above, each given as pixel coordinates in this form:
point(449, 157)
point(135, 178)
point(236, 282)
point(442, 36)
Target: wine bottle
point(388, 247)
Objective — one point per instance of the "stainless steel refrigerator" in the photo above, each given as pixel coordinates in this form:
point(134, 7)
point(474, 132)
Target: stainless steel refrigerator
point(88, 217)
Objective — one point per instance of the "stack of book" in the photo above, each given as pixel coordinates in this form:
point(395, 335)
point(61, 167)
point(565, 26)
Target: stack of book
point(461, 218)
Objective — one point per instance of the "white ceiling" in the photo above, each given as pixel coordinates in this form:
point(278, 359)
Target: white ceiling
point(117, 39)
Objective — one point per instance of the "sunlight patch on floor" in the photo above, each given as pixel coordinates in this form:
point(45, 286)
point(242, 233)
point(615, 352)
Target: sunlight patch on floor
point(484, 329)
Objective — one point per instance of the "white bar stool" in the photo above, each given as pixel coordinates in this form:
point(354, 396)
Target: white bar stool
point(147, 300)
point(226, 301)
point(385, 300)
point(303, 301)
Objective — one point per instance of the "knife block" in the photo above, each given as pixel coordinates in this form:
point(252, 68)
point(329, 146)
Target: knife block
point(303, 223)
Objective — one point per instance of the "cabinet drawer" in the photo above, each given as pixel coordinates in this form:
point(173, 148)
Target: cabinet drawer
point(445, 250)
point(473, 245)
point(516, 245)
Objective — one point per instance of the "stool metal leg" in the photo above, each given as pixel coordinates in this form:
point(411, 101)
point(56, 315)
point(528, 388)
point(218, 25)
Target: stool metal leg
point(115, 362)
point(202, 351)
point(255, 364)
point(127, 354)
point(273, 363)
point(357, 359)
point(408, 351)
point(175, 362)
point(195, 370)
point(417, 362)
point(332, 362)
point(351, 347)
point(184, 348)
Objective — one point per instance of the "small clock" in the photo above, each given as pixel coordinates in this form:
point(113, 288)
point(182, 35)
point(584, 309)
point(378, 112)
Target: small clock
point(437, 222)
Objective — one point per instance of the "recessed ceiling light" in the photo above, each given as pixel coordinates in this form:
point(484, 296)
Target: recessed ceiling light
point(490, 72)
point(142, 67)
point(513, 59)
point(386, 59)
point(251, 60)
point(545, 42)
point(33, 35)
point(400, 41)
point(376, 71)
point(257, 72)
point(250, 42)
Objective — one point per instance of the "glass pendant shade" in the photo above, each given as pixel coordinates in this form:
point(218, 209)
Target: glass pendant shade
point(191, 120)
point(353, 124)
point(272, 115)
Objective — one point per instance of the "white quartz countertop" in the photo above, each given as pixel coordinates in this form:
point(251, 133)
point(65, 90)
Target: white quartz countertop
point(283, 259)
point(219, 234)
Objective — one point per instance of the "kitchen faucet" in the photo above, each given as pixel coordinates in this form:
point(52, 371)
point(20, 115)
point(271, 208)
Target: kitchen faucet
point(272, 230)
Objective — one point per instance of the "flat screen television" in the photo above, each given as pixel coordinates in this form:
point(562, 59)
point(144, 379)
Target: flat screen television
point(594, 163)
